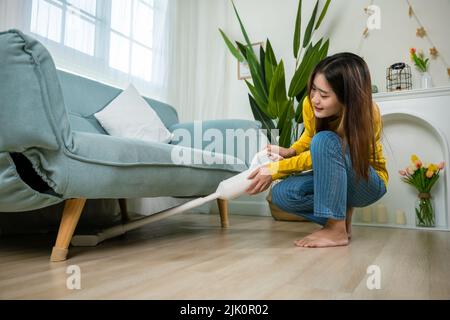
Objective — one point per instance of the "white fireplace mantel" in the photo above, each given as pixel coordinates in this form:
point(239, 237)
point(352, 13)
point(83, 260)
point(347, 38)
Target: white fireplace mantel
point(412, 94)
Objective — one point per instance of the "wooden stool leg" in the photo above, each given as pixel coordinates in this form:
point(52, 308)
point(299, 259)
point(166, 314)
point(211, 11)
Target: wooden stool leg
point(124, 210)
point(69, 221)
point(223, 210)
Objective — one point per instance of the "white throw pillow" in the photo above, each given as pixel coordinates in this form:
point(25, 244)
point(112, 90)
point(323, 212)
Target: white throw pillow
point(130, 116)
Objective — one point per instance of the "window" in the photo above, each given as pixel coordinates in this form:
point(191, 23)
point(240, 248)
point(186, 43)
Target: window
point(115, 33)
point(131, 36)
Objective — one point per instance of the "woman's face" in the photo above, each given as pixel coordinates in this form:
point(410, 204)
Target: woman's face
point(325, 101)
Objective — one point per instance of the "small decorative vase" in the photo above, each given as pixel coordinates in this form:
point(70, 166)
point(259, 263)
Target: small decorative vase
point(424, 211)
point(426, 80)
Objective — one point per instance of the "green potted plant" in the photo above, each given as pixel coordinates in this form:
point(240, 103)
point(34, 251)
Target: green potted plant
point(271, 104)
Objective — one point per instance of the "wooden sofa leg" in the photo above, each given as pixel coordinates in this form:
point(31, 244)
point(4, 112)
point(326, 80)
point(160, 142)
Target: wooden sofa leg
point(124, 210)
point(223, 210)
point(69, 221)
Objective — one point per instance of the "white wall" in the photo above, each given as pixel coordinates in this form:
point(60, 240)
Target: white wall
point(344, 24)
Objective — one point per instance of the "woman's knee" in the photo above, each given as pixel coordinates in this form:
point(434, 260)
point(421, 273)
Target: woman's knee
point(277, 194)
point(325, 141)
point(292, 191)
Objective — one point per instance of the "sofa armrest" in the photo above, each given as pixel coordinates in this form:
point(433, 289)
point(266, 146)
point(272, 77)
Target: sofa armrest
point(235, 137)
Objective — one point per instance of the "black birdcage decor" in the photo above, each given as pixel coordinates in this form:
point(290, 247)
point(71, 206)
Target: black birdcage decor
point(398, 77)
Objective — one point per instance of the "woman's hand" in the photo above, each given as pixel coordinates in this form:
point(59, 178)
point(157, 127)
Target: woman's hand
point(276, 151)
point(261, 180)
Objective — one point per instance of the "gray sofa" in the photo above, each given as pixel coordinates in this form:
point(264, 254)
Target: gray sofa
point(52, 149)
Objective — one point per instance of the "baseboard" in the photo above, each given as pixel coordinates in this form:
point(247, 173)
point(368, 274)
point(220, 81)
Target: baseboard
point(251, 208)
point(257, 207)
point(245, 205)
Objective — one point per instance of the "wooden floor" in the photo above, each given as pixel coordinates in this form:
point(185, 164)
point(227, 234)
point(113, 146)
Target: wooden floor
point(190, 257)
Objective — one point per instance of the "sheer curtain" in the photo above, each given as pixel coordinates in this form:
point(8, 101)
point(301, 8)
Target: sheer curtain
point(113, 41)
point(12, 14)
point(197, 79)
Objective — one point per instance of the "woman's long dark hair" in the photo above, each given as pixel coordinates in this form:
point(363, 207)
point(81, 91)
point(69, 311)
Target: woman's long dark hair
point(349, 77)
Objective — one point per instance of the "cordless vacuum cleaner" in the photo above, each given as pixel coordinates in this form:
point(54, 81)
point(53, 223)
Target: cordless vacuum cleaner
point(228, 189)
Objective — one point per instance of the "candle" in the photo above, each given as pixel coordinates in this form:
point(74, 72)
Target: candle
point(382, 216)
point(367, 214)
point(400, 217)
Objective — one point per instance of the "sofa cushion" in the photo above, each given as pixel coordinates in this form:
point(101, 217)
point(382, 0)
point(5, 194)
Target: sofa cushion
point(85, 124)
point(129, 116)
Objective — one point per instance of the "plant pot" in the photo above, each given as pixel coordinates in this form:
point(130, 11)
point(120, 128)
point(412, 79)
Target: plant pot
point(424, 211)
point(280, 215)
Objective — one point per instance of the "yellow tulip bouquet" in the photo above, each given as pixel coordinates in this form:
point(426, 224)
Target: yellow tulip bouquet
point(422, 177)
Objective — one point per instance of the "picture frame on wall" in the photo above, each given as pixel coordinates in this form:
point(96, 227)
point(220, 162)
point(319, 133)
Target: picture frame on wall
point(243, 70)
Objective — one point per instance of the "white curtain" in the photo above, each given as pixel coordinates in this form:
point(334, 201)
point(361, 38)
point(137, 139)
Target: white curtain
point(198, 69)
point(12, 14)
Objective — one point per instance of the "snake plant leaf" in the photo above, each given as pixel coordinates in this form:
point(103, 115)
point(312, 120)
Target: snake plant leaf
point(256, 72)
point(325, 46)
point(309, 27)
point(314, 60)
point(299, 110)
point(285, 124)
point(301, 72)
point(235, 52)
point(244, 32)
point(260, 100)
point(262, 59)
point(299, 117)
point(260, 116)
point(308, 53)
point(324, 50)
point(242, 49)
point(298, 27)
point(277, 92)
point(270, 63)
point(322, 14)
point(299, 97)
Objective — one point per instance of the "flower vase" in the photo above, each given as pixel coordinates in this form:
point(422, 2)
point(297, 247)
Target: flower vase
point(424, 211)
point(426, 80)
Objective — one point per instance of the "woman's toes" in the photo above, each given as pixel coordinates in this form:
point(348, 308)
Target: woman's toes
point(300, 243)
point(311, 243)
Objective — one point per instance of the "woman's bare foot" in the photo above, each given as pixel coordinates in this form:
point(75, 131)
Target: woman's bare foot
point(348, 222)
point(333, 234)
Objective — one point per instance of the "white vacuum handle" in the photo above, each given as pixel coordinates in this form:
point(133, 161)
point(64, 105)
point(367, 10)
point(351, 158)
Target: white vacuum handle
point(236, 186)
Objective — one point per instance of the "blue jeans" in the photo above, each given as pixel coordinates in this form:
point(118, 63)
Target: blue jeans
point(331, 188)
